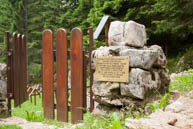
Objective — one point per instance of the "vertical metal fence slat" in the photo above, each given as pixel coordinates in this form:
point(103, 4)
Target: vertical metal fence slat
point(62, 75)
point(84, 81)
point(16, 74)
point(47, 75)
point(20, 70)
point(24, 66)
point(76, 57)
point(90, 67)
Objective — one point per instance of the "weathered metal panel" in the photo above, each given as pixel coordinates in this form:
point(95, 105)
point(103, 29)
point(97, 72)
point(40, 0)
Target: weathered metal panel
point(20, 70)
point(62, 75)
point(76, 57)
point(90, 67)
point(16, 67)
point(47, 74)
point(24, 59)
point(84, 81)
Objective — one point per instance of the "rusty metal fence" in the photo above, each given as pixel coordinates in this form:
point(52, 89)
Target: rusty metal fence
point(16, 59)
point(78, 67)
point(77, 103)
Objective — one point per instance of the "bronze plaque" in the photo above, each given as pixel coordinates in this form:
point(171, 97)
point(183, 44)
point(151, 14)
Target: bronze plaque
point(112, 68)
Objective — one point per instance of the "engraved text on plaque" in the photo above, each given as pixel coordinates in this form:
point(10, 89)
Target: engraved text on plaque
point(112, 68)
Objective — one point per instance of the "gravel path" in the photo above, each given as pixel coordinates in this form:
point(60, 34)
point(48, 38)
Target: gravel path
point(26, 124)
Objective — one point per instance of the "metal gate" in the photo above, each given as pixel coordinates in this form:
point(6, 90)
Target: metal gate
point(16, 59)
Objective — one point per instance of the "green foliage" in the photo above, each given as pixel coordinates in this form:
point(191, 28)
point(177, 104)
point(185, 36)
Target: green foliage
point(183, 83)
point(159, 105)
point(35, 113)
point(9, 127)
point(187, 55)
point(33, 116)
point(111, 121)
point(168, 23)
point(134, 112)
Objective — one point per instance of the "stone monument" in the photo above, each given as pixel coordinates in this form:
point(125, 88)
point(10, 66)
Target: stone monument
point(3, 89)
point(147, 73)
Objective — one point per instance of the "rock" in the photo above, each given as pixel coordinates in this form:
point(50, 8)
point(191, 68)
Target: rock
point(3, 106)
point(3, 90)
point(105, 89)
point(140, 83)
point(182, 105)
point(140, 58)
point(161, 60)
point(148, 75)
point(116, 32)
point(127, 34)
point(177, 115)
point(108, 101)
point(2, 71)
point(165, 79)
point(180, 64)
point(159, 120)
point(172, 121)
point(100, 109)
point(135, 34)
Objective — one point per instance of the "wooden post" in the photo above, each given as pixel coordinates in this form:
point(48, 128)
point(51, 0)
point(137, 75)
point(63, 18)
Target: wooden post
point(62, 75)
point(76, 57)
point(47, 74)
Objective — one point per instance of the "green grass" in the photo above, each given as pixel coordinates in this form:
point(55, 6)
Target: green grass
point(105, 121)
point(34, 113)
point(183, 83)
point(9, 127)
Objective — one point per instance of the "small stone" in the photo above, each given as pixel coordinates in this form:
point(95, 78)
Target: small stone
point(172, 121)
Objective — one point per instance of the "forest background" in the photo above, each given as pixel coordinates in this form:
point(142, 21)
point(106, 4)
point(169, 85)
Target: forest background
point(169, 23)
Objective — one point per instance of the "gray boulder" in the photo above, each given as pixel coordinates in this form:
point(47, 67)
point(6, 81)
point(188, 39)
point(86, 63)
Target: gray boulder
point(165, 79)
point(105, 89)
point(127, 34)
point(140, 83)
point(161, 60)
point(3, 90)
point(108, 101)
point(138, 58)
point(3, 71)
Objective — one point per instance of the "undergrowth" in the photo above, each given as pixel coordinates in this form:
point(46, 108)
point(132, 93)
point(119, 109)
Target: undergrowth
point(111, 121)
point(183, 83)
point(173, 62)
point(9, 127)
point(161, 104)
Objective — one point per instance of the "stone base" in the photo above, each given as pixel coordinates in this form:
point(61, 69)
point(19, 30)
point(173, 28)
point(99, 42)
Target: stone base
point(3, 106)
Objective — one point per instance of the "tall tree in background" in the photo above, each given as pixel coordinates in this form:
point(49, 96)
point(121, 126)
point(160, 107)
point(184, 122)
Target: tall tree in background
point(169, 23)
